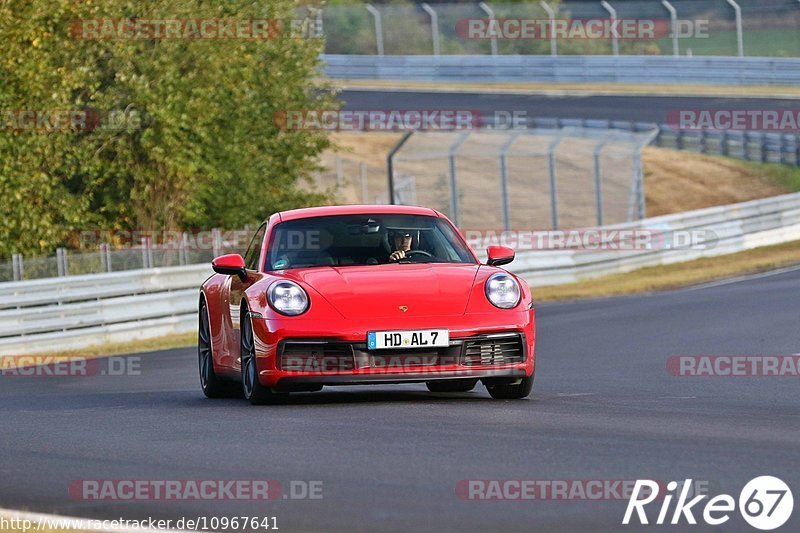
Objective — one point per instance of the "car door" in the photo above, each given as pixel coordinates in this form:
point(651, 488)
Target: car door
point(234, 288)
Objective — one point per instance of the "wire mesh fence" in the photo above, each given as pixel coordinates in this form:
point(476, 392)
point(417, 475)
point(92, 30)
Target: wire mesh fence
point(682, 27)
point(157, 249)
point(552, 175)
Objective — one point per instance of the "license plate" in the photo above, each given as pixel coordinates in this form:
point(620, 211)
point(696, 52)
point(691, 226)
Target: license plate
point(424, 338)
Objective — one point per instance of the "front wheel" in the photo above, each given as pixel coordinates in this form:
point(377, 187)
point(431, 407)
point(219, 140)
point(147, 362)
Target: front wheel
point(252, 388)
point(511, 392)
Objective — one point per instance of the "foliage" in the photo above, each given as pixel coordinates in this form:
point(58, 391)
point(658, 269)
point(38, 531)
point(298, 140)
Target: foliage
point(186, 136)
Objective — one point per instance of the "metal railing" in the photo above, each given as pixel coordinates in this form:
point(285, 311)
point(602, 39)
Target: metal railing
point(143, 249)
point(726, 229)
point(566, 69)
point(72, 313)
point(63, 314)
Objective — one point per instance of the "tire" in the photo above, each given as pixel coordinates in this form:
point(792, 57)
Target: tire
point(253, 390)
point(452, 385)
point(512, 392)
point(212, 385)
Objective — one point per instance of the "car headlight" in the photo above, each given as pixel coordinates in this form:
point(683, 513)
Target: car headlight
point(502, 290)
point(287, 298)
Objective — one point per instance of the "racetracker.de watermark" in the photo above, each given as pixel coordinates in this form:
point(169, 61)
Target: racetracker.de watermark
point(69, 120)
point(167, 240)
point(193, 489)
point(734, 119)
point(579, 29)
point(599, 239)
point(734, 365)
point(379, 120)
point(147, 29)
point(53, 366)
point(559, 489)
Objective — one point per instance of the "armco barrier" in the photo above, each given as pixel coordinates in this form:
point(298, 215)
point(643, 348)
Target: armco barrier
point(68, 313)
point(78, 311)
point(737, 227)
point(568, 69)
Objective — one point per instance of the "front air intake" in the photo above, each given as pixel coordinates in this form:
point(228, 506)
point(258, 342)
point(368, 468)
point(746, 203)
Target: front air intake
point(494, 350)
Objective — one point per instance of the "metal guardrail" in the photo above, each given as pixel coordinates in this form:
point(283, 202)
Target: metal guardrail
point(583, 69)
point(75, 312)
point(735, 227)
point(60, 314)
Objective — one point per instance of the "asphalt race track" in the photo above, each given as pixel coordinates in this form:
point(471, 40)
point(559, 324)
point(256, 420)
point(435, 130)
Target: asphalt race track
point(625, 107)
point(604, 408)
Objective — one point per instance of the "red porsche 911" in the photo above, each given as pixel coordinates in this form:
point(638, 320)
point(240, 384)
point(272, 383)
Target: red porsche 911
point(356, 295)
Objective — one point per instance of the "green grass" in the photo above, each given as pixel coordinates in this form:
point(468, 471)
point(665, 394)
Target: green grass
point(757, 42)
point(785, 176)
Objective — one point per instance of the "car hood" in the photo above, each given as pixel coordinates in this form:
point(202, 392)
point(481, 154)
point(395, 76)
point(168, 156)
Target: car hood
point(382, 290)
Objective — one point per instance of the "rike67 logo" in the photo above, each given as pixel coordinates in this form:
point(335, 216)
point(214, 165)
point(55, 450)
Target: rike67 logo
point(765, 503)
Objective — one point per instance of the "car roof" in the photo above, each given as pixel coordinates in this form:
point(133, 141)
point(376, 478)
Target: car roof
point(330, 210)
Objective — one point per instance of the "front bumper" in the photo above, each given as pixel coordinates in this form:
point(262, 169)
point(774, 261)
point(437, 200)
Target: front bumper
point(481, 347)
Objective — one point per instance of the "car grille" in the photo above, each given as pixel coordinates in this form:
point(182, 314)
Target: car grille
point(494, 350)
point(322, 356)
point(316, 357)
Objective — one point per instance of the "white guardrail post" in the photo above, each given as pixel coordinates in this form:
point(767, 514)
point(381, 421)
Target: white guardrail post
point(673, 26)
point(493, 40)
point(378, 28)
point(434, 27)
point(613, 14)
point(552, 16)
point(739, 37)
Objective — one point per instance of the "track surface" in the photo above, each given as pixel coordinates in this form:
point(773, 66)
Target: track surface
point(604, 407)
point(633, 108)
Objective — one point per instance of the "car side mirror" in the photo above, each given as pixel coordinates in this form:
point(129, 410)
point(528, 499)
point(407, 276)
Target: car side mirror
point(230, 265)
point(499, 255)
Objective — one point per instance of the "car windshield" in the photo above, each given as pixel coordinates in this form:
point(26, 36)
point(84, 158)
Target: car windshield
point(345, 240)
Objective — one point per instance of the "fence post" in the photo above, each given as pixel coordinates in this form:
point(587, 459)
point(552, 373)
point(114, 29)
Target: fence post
point(493, 40)
point(390, 163)
point(613, 14)
point(16, 266)
point(216, 242)
point(146, 258)
point(61, 262)
point(552, 16)
point(673, 24)
point(434, 27)
point(504, 179)
point(107, 253)
point(362, 170)
point(339, 172)
point(739, 38)
point(102, 253)
point(183, 256)
point(598, 179)
point(551, 169)
point(378, 27)
point(796, 154)
point(451, 157)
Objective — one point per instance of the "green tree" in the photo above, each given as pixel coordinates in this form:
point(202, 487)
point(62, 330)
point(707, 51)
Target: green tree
point(186, 136)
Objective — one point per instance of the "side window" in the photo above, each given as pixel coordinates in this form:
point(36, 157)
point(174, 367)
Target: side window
point(254, 250)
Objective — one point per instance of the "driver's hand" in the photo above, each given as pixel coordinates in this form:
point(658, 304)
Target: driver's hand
point(398, 255)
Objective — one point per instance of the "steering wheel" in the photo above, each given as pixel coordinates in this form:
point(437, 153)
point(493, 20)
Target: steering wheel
point(417, 252)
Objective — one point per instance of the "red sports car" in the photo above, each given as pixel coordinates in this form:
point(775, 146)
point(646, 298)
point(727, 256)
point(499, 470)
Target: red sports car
point(355, 295)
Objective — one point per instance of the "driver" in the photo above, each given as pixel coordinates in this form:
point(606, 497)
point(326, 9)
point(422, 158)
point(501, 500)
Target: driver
point(401, 243)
